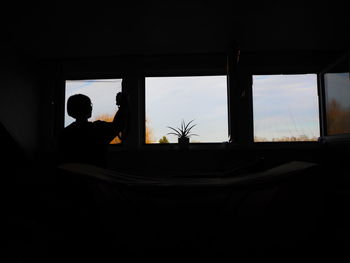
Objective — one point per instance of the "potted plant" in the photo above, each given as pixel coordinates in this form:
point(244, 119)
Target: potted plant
point(183, 133)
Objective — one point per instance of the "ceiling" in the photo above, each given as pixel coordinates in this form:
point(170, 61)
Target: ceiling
point(57, 30)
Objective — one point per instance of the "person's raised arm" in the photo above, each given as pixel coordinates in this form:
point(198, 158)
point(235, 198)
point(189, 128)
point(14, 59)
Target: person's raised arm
point(120, 118)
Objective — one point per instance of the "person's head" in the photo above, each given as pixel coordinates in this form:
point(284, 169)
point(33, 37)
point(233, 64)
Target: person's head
point(79, 107)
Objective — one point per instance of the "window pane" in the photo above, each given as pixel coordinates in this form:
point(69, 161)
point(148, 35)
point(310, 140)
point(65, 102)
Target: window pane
point(337, 86)
point(285, 108)
point(171, 100)
point(102, 93)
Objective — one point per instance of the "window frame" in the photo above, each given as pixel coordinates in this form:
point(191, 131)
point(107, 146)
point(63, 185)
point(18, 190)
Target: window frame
point(61, 97)
point(336, 138)
point(137, 68)
point(239, 96)
point(192, 146)
point(214, 64)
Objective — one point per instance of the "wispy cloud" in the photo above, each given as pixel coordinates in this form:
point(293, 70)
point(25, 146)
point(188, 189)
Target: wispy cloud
point(285, 105)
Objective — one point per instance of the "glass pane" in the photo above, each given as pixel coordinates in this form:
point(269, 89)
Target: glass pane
point(285, 108)
point(102, 93)
point(171, 100)
point(337, 86)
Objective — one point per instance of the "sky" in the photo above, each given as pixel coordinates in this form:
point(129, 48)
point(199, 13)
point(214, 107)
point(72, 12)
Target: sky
point(102, 93)
point(283, 105)
point(171, 100)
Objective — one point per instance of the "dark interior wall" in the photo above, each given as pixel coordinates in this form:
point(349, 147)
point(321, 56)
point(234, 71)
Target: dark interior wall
point(308, 212)
point(19, 98)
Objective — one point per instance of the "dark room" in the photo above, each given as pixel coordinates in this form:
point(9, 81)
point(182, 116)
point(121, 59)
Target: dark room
point(167, 129)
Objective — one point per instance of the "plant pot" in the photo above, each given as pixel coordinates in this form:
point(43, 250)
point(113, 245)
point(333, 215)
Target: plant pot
point(183, 140)
point(183, 143)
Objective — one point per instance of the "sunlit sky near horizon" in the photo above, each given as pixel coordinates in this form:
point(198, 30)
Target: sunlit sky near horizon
point(283, 105)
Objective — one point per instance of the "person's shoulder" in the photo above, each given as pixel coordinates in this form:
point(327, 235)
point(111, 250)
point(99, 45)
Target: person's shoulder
point(67, 132)
point(75, 127)
point(100, 123)
point(72, 126)
point(68, 128)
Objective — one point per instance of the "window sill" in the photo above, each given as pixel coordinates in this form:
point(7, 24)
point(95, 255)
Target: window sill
point(191, 146)
point(220, 146)
point(286, 145)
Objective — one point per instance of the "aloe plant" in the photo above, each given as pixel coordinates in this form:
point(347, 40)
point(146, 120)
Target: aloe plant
point(184, 131)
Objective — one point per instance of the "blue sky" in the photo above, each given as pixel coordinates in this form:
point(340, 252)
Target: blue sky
point(283, 105)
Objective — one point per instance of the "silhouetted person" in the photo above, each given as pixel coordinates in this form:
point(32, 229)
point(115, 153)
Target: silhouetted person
point(84, 141)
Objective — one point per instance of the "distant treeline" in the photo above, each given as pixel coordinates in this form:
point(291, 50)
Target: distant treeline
point(338, 118)
point(301, 138)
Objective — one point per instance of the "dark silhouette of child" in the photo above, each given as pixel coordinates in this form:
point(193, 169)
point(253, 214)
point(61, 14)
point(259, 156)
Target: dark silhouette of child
point(84, 141)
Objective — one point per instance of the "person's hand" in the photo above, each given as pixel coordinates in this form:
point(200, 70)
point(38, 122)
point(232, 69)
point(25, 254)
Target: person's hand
point(122, 100)
point(119, 99)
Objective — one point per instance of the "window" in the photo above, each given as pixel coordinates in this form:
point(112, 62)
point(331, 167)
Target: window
point(171, 100)
point(285, 108)
point(102, 93)
point(337, 86)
